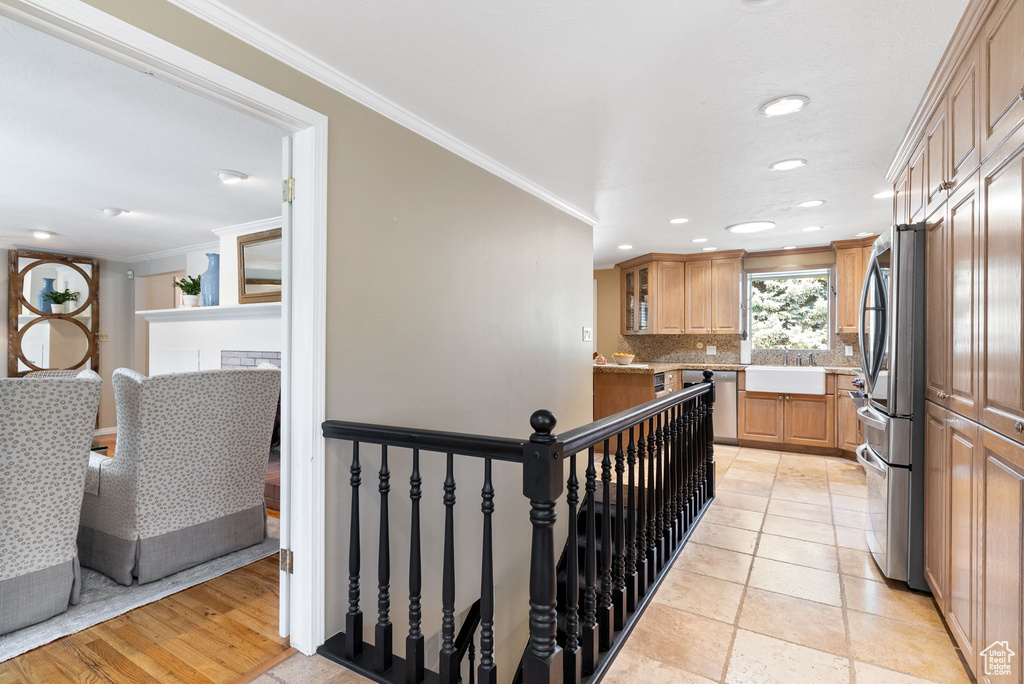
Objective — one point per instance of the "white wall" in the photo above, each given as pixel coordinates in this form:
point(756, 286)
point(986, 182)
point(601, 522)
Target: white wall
point(180, 346)
point(229, 254)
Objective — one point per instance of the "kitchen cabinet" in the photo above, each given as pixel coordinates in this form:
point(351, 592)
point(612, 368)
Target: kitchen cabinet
point(1001, 373)
point(936, 504)
point(1000, 547)
point(962, 271)
point(849, 433)
point(761, 416)
point(936, 162)
point(799, 420)
point(851, 266)
point(1002, 79)
point(669, 298)
point(937, 310)
point(698, 296)
point(725, 296)
point(637, 288)
point(900, 198)
point(961, 452)
point(916, 189)
point(963, 147)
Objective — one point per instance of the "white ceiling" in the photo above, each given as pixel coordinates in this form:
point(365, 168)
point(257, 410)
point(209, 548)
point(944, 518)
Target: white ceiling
point(640, 112)
point(79, 132)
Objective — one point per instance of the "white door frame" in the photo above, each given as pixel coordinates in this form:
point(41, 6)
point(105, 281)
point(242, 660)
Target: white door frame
point(303, 308)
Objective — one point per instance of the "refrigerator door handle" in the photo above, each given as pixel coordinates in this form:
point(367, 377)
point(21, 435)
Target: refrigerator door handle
point(870, 461)
point(869, 416)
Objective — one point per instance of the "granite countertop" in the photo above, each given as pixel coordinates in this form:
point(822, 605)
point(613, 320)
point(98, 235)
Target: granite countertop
point(612, 367)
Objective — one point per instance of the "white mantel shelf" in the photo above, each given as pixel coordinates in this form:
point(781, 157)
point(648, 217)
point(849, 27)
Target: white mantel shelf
point(213, 313)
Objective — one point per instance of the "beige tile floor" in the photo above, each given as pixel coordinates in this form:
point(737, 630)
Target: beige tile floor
point(776, 585)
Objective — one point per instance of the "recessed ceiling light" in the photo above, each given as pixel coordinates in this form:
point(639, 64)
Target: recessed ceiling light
point(228, 176)
point(114, 211)
point(710, 249)
point(863, 234)
point(699, 240)
point(42, 234)
point(811, 229)
point(677, 221)
point(751, 227)
point(811, 203)
point(788, 164)
point(625, 246)
point(781, 106)
point(885, 194)
point(789, 247)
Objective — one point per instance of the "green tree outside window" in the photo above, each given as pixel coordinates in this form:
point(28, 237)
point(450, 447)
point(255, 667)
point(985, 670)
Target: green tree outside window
point(789, 310)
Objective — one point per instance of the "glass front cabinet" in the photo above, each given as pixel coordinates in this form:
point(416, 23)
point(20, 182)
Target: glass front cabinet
point(637, 302)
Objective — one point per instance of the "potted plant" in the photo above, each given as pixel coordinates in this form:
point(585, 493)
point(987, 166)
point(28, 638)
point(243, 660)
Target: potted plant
point(59, 300)
point(190, 287)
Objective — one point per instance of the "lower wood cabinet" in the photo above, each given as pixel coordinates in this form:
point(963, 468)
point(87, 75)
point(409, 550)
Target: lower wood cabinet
point(761, 416)
point(936, 505)
point(961, 450)
point(849, 432)
point(798, 419)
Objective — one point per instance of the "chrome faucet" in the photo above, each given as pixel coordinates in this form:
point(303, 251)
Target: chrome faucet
point(810, 359)
point(785, 356)
point(799, 360)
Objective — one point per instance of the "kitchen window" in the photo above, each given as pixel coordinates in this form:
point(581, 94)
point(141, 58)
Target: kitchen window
point(789, 309)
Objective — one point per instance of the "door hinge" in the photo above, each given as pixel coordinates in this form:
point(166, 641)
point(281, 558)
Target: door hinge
point(287, 560)
point(288, 190)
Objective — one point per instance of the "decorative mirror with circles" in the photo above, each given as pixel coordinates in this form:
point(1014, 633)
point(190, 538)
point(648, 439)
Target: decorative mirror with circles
point(52, 313)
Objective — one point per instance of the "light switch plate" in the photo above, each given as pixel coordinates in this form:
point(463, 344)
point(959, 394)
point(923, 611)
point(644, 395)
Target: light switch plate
point(848, 350)
point(103, 337)
point(712, 350)
point(588, 334)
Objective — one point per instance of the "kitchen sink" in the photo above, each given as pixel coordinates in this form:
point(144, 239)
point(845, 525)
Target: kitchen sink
point(786, 379)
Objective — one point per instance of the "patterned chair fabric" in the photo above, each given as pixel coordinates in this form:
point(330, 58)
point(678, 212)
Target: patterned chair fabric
point(46, 427)
point(186, 482)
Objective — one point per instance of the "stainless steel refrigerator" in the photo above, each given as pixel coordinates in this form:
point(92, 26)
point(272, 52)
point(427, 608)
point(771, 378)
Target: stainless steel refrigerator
point(892, 347)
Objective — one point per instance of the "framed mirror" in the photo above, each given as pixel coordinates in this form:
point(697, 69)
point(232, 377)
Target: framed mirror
point(259, 267)
point(46, 330)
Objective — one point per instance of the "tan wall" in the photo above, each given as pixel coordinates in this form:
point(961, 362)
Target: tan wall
point(608, 323)
point(455, 301)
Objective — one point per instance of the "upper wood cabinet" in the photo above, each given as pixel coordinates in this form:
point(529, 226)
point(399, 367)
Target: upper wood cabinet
point(936, 386)
point(636, 294)
point(964, 152)
point(851, 265)
point(901, 198)
point(698, 296)
point(936, 163)
point(916, 188)
point(670, 297)
point(1001, 373)
point(963, 216)
point(1002, 82)
point(726, 275)
point(936, 504)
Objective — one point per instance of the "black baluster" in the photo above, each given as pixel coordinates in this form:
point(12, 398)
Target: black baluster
point(571, 652)
point(448, 666)
point(488, 670)
point(414, 642)
point(674, 490)
point(699, 483)
point(354, 617)
point(382, 645)
point(619, 559)
point(630, 525)
point(605, 617)
point(659, 526)
point(709, 377)
point(589, 631)
point(472, 661)
point(691, 473)
point(670, 478)
point(652, 502)
point(641, 517)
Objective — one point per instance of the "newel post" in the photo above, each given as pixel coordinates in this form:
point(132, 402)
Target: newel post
point(709, 432)
point(543, 481)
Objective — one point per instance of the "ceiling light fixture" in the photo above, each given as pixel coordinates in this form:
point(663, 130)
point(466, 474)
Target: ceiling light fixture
point(863, 233)
point(42, 234)
point(114, 211)
point(788, 164)
point(710, 249)
point(678, 221)
point(885, 194)
point(780, 106)
point(699, 240)
point(811, 229)
point(625, 246)
point(227, 176)
point(790, 247)
point(811, 203)
point(751, 227)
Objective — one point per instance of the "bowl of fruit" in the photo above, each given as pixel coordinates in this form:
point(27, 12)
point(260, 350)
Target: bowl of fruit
point(623, 359)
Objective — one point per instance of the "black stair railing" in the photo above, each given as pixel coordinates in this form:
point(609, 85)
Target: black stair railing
point(648, 477)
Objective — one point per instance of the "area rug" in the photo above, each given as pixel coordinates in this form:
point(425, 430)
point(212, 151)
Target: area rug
point(103, 598)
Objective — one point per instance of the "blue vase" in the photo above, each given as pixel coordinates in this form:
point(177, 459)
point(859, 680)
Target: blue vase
point(42, 303)
point(210, 284)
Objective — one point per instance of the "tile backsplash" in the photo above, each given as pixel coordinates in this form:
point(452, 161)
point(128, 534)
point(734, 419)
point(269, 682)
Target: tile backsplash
point(693, 349)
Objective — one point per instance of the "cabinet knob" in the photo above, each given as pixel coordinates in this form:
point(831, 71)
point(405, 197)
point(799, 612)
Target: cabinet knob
point(1019, 427)
point(780, 397)
point(787, 397)
point(948, 185)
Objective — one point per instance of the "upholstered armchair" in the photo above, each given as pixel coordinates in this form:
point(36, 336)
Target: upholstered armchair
point(186, 482)
point(46, 427)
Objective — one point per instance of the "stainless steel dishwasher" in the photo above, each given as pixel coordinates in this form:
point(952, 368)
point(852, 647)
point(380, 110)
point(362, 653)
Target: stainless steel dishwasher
point(725, 403)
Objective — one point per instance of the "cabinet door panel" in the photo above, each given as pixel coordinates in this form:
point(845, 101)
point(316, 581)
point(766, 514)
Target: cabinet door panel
point(1002, 373)
point(669, 297)
point(725, 296)
point(646, 286)
point(760, 416)
point(850, 266)
point(937, 312)
point(1003, 62)
point(962, 436)
point(848, 434)
point(1000, 568)
point(963, 243)
point(901, 198)
point(628, 301)
point(965, 153)
point(936, 502)
point(916, 190)
point(936, 159)
point(697, 312)
point(810, 420)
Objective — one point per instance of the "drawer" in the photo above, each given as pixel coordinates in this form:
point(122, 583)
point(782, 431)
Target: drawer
point(674, 380)
point(844, 383)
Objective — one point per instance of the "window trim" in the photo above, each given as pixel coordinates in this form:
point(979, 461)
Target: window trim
point(773, 274)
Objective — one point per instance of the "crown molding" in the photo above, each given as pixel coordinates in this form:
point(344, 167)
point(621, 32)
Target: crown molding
point(248, 31)
point(250, 227)
point(959, 45)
